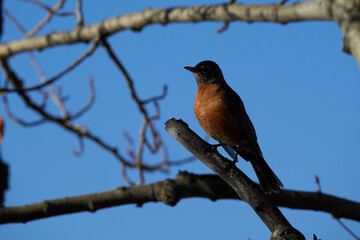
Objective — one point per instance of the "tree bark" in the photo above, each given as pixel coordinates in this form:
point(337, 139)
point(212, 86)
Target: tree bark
point(170, 192)
point(243, 186)
point(304, 11)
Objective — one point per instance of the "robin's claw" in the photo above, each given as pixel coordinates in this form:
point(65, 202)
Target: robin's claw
point(231, 164)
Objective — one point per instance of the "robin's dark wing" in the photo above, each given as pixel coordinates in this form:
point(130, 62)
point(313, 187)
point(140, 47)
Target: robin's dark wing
point(237, 108)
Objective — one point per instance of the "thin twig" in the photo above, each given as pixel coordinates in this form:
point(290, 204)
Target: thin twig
point(65, 14)
point(15, 22)
point(181, 161)
point(16, 119)
point(347, 229)
point(81, 147)
point(225, 27)
point(156, 98)
point(65, 123)
point(125, 176)
point(147, 120)
point(130, 151)
point(165, 160)
point(47, 19)
point(61, 74)
point(39, 4)
point(128, 79)
point(45, 96)
point(55, 93)
point(90, 101)
point(139, 153)
point(317, 181)
point(79, 14)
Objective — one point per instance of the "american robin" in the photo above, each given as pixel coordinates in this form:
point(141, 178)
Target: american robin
point(221, 113)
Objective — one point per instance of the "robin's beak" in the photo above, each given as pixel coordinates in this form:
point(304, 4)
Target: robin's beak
point(192, 69)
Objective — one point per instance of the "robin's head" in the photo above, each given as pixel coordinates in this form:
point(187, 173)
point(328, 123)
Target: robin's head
point(207, 72)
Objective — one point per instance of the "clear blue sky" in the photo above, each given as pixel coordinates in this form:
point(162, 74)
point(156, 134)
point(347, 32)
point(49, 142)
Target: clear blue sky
point(300, 90)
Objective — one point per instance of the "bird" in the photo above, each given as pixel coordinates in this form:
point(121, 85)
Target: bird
point(221, 113)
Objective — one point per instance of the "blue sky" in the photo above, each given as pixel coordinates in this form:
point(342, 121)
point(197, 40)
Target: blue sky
point(300, 91)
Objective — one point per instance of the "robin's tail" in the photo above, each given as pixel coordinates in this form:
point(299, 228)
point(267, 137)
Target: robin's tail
point(269, 182)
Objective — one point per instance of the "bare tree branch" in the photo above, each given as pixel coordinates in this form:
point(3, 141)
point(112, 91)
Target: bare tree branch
point(88, 53)
point(15, 22)
point(81, 147)
point(244, 187)
point(347, 229)
point(90, 101)
point(18, 120)
point(348, 18)
point(65, 123)
point(345, 13)
point(48, 17)
point(170, 192)
point(301, 11)
point(147, 120)
point(79, 14)
point(156, 98)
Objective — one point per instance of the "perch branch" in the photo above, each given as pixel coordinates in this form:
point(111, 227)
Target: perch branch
point(244, 187)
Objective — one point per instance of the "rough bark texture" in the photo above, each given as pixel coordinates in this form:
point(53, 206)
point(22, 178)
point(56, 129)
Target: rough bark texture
point(243, 186)
point(235, 12)
point(170, 192)
point(344, 12)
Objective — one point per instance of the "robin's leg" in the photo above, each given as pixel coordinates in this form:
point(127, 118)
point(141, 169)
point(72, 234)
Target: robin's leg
point(236, 155)
point(234, 161)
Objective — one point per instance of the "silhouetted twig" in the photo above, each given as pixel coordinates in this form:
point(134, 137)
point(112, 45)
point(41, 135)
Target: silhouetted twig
point(347, 229)
point(61, 74)
point(317, 181)
point(147, 120)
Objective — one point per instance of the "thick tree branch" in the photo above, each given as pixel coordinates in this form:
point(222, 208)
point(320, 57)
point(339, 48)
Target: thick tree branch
point(303, 11)
point(170, 192)
point(244, 187)
point(347, 15)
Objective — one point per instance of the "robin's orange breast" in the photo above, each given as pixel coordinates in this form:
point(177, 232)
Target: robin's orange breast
point(212, 111)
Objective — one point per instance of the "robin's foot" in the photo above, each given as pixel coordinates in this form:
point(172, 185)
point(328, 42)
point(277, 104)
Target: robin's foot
point(232, 163)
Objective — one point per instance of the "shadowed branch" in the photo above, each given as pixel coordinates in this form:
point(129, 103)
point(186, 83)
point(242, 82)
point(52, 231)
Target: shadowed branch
point(170, 192)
